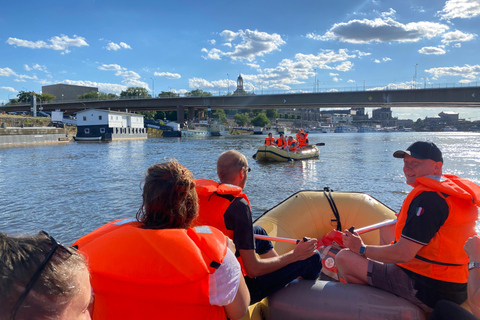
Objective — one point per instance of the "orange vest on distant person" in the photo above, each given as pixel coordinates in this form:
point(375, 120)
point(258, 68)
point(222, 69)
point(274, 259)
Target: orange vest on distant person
point(213, 201)
point(269, 141)
point(293, 145)
point(139, 273)
point(444, 257)
point(302, 142)
point(281, 143)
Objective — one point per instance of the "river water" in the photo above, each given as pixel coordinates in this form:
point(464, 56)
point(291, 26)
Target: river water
point(71, 189)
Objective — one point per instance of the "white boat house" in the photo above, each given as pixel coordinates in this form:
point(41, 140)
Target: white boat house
point(98, 124)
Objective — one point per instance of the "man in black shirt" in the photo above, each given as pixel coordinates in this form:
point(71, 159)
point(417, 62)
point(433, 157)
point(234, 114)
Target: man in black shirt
point(271, 271)
point(426, 262)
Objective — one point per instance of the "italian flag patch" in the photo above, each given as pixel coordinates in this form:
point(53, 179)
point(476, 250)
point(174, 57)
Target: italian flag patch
point(420, 211)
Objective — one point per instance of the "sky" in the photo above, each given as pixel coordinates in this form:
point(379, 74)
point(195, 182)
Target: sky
point(277, 46)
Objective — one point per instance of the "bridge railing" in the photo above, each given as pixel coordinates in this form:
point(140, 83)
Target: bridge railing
point(263, 91)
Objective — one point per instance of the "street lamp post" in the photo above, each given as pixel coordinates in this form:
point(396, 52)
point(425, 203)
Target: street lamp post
point(425, 83)
point(153, 87)
point(315, 83)
point(415, 77)
point(228, 84)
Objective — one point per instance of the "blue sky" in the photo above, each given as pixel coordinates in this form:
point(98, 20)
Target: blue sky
point(277, 46)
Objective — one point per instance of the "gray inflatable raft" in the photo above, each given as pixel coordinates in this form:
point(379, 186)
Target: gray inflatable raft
point(327, 300)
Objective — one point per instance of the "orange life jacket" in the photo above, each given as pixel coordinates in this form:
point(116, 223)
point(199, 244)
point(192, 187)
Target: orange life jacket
point(281, 143)
point(292, 146)
point(444, 257)
point(269, 141)
point(141, 273)
point(213, 201)
point(302, 142)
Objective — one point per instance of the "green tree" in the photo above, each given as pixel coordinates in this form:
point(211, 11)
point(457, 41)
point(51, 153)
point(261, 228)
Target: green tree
point(198, 93)
point(220, 115)
point(168, 94)
point(271, 113)
point(24, 96)
point(149, 114)
point(260, 120)
point(46, 97)
point(241, 119)
point(135, 92)
point(97, 95)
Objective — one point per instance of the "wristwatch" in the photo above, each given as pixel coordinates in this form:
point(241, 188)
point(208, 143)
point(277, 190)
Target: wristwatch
point(472, 265)
point(364, 248)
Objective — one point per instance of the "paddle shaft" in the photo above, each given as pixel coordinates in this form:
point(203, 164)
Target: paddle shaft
point(359, 231)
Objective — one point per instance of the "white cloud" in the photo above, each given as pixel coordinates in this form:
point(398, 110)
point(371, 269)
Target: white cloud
point(212, 41)
point(36, 67)
point(331, 74)
point(351, 81)
point(167, 75)
point(457, 45)
point(361, 53)
point(8, 89)
point(468, 72)
point(7, 72)
point(463, 9)
point(199, 83)
point(389, 14)
point(432, 50)
point(381, 30)
point(253, 43)
point(386, 59)
point(227, 44)
point(114, 67)
point(229, 35)
point(376, 61)
point(59, 43)
point(213, 54)
point(457, 36)
point(113, 46)
point(280, 86)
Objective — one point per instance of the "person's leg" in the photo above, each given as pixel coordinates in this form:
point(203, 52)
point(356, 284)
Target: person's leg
point(351, 266)
point(447, 310)
point(263, 286)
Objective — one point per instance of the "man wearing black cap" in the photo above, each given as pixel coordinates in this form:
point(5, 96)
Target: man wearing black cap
point(426, 262)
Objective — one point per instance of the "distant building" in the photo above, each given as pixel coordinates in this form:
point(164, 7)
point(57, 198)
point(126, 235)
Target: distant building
point(384, 115)
point(67, 92)
point(433, 121)
point(98, 124)
point(240, 91)
point(449, 117)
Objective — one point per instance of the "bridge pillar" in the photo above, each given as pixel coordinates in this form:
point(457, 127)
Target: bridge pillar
point(191, 113)
point(181, 115)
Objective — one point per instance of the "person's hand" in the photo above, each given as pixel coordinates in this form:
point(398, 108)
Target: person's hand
point(230, 244)
point(352, 241)
point(305, 249)
point(472, 248)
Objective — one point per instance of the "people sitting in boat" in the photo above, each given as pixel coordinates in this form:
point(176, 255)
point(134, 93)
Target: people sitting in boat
point(446, 310)
point(300, 131)
point(292, 144)
point(270, 140)
point(302, 141)
point(42, 279)
point(226, 206)
point(157, 266)
point(281, 142)
point(426, 258)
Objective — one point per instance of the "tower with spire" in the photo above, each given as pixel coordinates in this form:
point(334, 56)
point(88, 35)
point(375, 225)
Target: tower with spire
point(240, 90)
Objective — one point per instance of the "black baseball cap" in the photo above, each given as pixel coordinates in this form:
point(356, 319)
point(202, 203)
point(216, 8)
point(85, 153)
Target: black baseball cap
point(421, 150)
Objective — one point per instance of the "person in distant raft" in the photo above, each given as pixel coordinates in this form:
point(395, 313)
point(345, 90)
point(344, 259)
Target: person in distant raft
point(292, 144)
point(156, 266)
point(226, 207)
point(281, 142)
point(426, 262)
point(270, 140)
point(302, 140)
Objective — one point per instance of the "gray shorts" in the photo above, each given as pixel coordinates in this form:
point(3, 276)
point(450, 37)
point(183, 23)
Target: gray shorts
point(392, 278)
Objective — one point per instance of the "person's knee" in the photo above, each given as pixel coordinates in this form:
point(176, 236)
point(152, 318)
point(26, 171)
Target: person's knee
point(342, 258)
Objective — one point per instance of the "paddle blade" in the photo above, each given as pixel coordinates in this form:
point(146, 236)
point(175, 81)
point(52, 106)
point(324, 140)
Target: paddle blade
point(320, 144)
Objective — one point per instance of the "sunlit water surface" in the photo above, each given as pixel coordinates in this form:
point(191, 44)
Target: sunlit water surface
point(69, 190)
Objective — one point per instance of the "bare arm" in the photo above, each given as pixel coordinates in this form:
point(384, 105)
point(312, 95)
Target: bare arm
point(402, 251)
point(239, 305)
point(257, 267)
point(472, 248)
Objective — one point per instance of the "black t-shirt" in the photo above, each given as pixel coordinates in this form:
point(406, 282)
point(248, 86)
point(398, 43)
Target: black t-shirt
point(425, 215)
point(238, 218)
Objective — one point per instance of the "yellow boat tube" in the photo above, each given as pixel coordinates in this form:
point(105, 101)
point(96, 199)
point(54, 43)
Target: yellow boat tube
point(273, 153)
